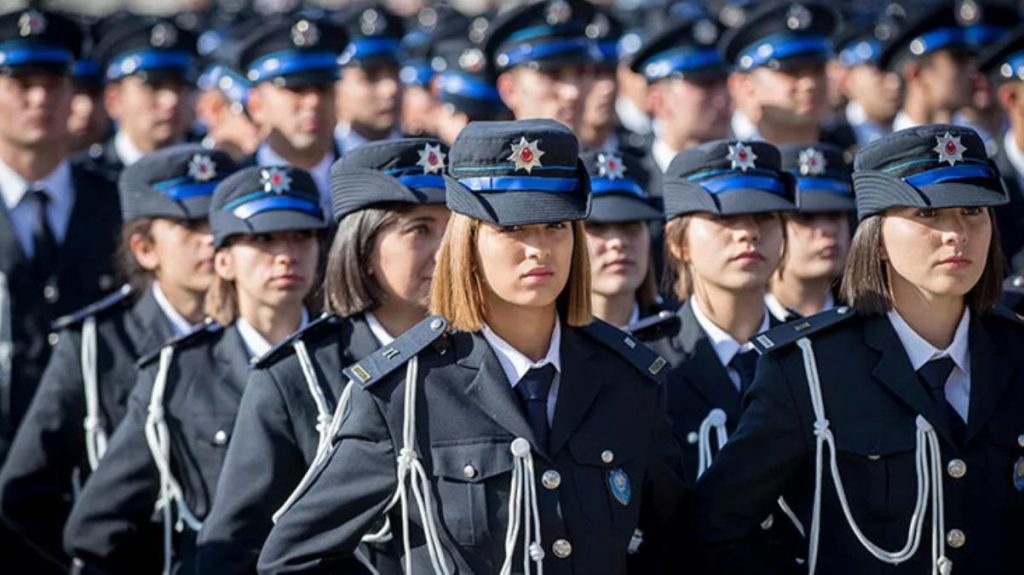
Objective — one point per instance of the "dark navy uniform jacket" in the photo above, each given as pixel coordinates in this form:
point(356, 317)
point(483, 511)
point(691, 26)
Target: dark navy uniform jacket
point(48, 456)
point(1010, 217)
point(275, 440)
point(609, 416)
point(110, 527)
point(872, 399)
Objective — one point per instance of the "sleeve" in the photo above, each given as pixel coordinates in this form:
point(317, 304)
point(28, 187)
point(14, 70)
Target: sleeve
point(345, 500)
point(767, 451)
point(263, 465)
point(111, 526)
point(36, 484)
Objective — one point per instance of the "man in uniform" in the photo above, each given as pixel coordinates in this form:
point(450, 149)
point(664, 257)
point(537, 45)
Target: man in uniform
point(224, 92)
point(597, 129)
point(872, 94)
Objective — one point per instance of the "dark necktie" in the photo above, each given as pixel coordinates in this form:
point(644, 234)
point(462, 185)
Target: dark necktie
point(745, 364)
point(934, 375)
point(532, 391)
point(44, 243)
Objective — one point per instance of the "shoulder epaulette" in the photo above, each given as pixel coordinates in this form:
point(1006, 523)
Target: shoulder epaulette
point(196, 335)
point(636, 353)
point(803, 327)
point(652, 324)
point(320, 325)
point(95, 308)
point(1006, 313)
point(380, 363)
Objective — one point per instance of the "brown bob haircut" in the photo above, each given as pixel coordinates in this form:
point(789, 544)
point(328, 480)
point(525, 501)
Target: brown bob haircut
point(865, 285)
point(128, 267)
point(458, 292)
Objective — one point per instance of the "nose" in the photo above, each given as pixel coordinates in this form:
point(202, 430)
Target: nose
point(747, 228)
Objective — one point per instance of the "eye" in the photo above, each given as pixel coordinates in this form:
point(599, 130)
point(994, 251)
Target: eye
point(262, 238)
point(973, 211)
point(418, 229)
point(511, 229)
point(557, 226)
point(925, 213)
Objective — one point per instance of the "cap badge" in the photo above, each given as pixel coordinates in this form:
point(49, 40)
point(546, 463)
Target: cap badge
point(31, 23)
point(812, 162)
point(949, 148)
point(163, 35)
point(472, 60)
point(202, 168)
point(799, 17)
point(275, 180)
point(705, 32)
point(526, 155)
point(559, 12)
point(610, 166)
point(968, 12)
point(431, 159)
point(370, 23)
point(305, 34)
point(741, 156)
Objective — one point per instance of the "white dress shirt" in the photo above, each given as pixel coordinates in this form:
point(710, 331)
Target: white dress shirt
point(378, 331)
point(903, 121)
point(348, 139)
point(725, 346)
point(781, 312)
point(662, 154)
point(126, 149)
point(920, 352)
point(179, 325)
point(743, 128)
point(631, 117)
point(865, 129)
point(321, 173)
point(60, 192)
point(254, 342)
point(515, 364)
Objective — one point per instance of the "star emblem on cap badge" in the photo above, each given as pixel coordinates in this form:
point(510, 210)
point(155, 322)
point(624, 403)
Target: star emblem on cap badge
point(431, 159)
point(799, 17)
point(558, 12)
point(949, 148)
point(741, 156)
point(610, 166)
point(705, 32)
point(812, 162)
point(31, 23)
point(275, 180)
point(526, 155)
point(202, 168)
point(163, 35)
point(305, 34)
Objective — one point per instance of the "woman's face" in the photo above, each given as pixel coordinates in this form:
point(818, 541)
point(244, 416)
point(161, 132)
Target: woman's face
point(935, 253)
point(180, 254)
point(817, 245)
point(733, 253)
point(524, 266)
point(273, 270)
point(403, 256)
point(620, 254)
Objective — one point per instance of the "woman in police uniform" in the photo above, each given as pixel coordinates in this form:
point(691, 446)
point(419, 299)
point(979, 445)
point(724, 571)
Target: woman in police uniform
point(899, 421)
point(389, 203)
point(531, 435)
point(168, 451)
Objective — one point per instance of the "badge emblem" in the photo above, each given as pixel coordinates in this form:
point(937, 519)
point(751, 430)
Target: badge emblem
point(741, 156)
point(472, 60)
point(799, 17)
point(526, 155)
point(305, 34)
point(370, 23)
point(559, 12)
point(163, 35)
point(705, 32)
point(31, 23)
point(1018, 474)
point(431, 159)
point(610, 166)
point(618, 484)
point(812, 162)
point(202, 168)
point(275, 180)
point(949, 148)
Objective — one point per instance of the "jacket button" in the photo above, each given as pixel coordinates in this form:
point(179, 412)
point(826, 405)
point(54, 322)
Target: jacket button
point(1020, 440)
point(692, 438)
point(607, 456)
point(52, 339)
point(551, 479)
point(561, 548)
point(956, 538)
point(957, 468)
point(50, 293)
point(469, 472)
point(220, 438)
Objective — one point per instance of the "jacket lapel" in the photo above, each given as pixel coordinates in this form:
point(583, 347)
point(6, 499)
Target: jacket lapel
point(990, 374)
point(10, 248)
point(361, 341)
point(577, 392)
point(149, 328)
point(702, 369)
point(233, 359)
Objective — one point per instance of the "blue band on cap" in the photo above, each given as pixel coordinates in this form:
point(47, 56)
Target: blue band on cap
point(783, 46)
point(85, 68)
point(186, 191)
point(730, 183)
point(466, 86)
point(600, 186)
point(950, 174)
point(274, 202)
point(684, 59)
point(520, 184)
point(981, 34)
point(422, 181)
point(532, 52)
point(545, 31)
point(288, 62)
point(145, 60)
point(864, 51)
point(609, 51)
point(21, 53)
point(368, 48)
point(227, 81)
point(1016, 64)
point(938, 39)
point(805, 185)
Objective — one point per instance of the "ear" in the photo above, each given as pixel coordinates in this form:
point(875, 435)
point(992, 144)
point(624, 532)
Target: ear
point(112, 100)
point(912, 70)
point(224, 264)
point(144, 251)
point(1007, 95)
point(210, 106)
point(656, 99)
point(507, 89)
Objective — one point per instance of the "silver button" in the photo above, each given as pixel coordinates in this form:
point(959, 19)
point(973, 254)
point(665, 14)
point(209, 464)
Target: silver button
point(51, 293)
point(436, 324)
point(607, 456)
point(768, 522)
point(220, 438)
point(52, 339)
point(1020, 440)
point(469, 472)
point(551, 479)
point(957, 468)
point(956, 538)
point(692, 438)
point(561, 548)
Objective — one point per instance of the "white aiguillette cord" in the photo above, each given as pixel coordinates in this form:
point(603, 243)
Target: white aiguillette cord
point(95, 435)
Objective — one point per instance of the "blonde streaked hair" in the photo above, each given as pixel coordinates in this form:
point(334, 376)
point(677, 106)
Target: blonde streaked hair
point(457, 292)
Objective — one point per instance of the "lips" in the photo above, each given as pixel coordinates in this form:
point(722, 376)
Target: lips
point(752, 256)
point(956, 262)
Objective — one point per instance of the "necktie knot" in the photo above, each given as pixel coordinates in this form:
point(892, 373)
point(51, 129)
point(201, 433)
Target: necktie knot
point(535, 385)
point(745, 364)
point(936, 372)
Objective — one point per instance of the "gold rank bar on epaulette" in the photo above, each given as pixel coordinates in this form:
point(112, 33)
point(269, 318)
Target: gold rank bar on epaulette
point(786, 334)
point(378, 365)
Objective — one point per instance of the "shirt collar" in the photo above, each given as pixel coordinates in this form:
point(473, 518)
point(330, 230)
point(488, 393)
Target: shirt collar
point(179, 325)
point(742, 127)
point(514, 363)
point(56, 184)
point(726, 347)
point(865, 129)
point(902, 121)
point(349, 139)
point(382, 335)
point(662, 154)
point(632, 118)
point(126, 149)
point(921, 352)
point(255, 343)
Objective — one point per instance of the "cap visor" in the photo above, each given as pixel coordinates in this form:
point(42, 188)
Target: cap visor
point(516, 208)
point(617, 208)
point(824, 202)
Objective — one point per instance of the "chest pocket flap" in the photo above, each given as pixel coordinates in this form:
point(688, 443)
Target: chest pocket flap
point(472, 460)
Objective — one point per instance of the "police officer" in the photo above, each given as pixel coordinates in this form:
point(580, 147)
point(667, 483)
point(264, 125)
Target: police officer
point(164, 202)
point(168, 451)
point(419, 107)
point(88, 123)
point(597, 127)
point(623, 289)
point(553, 477)
point(291, 63)
point(388, 202)
point(906, 399)
point(817, 234)
point(872, 94)
point(780, 51)
point(149, 68)
point(224, 93)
